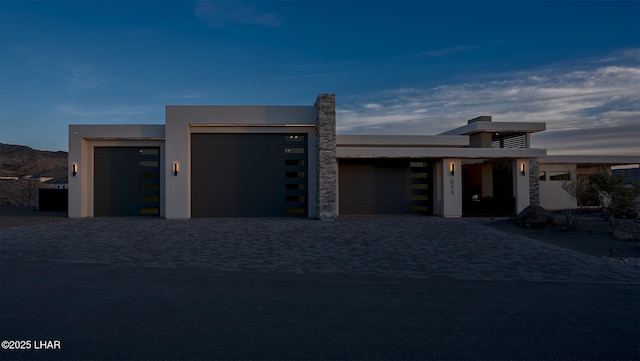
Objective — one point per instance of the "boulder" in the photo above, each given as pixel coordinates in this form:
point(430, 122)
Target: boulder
point(534, 217)
point(630, 213)
point(626, 230)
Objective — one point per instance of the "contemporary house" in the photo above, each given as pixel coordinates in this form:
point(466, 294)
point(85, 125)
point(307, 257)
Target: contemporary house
point(277, 161)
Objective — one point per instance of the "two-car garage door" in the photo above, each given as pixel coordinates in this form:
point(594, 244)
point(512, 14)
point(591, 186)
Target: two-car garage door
point(249, 175)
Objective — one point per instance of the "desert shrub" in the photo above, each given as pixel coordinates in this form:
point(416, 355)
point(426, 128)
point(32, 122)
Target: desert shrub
point(571, 219)
point(583, 191)
point(613, 193)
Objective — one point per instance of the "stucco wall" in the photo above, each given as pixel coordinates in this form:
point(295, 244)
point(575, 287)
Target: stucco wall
point(521, 189)
point(451, 191)
point(552, 196)
point(82, 141)
point(182, 121)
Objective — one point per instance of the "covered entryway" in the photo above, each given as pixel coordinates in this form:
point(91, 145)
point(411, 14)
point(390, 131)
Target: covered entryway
point(384, 186)
point(488, 188)
point(249, 175)
point(126, 181)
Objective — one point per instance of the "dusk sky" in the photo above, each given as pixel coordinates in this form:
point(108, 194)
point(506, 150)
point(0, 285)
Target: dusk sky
point(396, 67)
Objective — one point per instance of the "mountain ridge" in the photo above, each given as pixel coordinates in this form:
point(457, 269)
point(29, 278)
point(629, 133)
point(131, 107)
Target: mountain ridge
point(20, 160)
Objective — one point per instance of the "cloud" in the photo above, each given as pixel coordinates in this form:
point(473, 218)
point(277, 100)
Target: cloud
point(617, 139)
point(221, 13)
point(372, 106)
point(108, 114)
point(76, 74)
point(185, 96)
point(589, 95)
point(448, 51)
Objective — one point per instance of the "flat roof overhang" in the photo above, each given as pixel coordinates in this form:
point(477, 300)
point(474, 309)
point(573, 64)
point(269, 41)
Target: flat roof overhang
point(240, 115)
point(587, 160)
point(416, 141)
point(117, 132)
point(416, 152)
point(497, 127)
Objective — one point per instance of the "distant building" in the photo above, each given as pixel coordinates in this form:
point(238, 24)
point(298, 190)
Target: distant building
point(56, 183)
point(632, 175)
point(248, 161)
point(36, 179)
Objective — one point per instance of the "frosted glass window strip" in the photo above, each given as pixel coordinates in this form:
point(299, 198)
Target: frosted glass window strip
point(294, 150)
point(149, 163)
point(294, 138)
point(149, 151)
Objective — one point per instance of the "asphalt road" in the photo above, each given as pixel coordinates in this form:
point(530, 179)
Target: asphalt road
point(109, 312)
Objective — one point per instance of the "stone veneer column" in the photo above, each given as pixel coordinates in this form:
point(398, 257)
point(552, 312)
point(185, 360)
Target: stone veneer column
point(534, 182)
point(326, 154)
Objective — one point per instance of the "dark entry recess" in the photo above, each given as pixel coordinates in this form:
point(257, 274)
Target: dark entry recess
point(126, 181)
point(384, 186)
point(500, 202)
point(249, 175)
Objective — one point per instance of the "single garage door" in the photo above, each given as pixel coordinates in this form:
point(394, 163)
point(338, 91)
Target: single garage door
point(249, 175)
point(384, 186)
point(126, 181)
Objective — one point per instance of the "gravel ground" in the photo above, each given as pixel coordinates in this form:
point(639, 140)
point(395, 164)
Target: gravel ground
point(17, 216)
point(594, 236)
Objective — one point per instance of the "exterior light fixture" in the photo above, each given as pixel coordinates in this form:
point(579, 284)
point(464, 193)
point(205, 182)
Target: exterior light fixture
point(452, 168)
point(74, 169)
point(176, 168)
point(522, 169)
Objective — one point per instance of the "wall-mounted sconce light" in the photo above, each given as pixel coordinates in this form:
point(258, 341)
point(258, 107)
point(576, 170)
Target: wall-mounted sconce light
point(74, 169)
point(176, 168)
point(522, 169)
point(452, 168)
